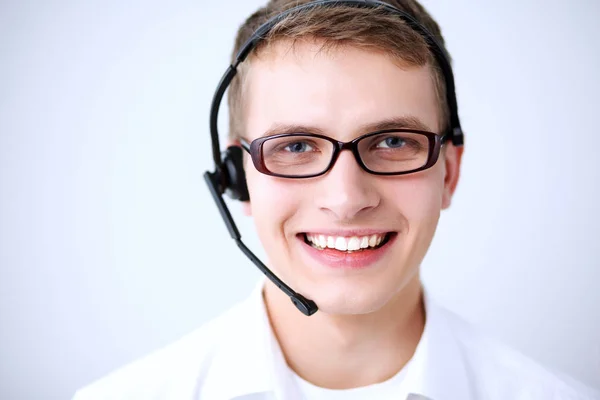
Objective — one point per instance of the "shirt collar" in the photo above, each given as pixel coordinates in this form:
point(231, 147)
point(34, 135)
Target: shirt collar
point(242, 363)
point(250, 356)
point(437, 369)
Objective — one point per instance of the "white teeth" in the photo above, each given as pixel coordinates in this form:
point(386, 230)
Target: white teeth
point(341, 243)
point(354, 243)
point(322, 241)
point(364, 243)
point(373, 240)
point(331, 242)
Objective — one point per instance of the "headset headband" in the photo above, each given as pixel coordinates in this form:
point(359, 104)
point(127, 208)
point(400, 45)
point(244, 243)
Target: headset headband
point(438, 50)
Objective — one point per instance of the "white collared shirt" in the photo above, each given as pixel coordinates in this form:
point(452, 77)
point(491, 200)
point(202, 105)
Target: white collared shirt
point(236, 356)
point(392, 389)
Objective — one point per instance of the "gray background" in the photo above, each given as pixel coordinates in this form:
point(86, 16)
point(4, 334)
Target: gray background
point(110, 245)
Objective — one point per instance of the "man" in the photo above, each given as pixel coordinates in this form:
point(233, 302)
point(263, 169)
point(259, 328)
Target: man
point(351, 152)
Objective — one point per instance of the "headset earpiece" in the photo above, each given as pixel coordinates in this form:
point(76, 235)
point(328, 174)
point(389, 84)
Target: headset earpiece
point(235, 178)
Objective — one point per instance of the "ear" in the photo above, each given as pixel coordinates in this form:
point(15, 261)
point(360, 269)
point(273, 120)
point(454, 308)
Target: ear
point(452, 160)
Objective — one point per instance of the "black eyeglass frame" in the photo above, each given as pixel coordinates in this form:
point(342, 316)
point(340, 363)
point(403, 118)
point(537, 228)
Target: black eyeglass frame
point(254, 148)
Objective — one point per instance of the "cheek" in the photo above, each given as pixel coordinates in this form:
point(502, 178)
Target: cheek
point(420, 197)
point(272, 203)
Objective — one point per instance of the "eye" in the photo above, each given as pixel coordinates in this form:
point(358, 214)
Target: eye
point(392, 142)
point(298, 147)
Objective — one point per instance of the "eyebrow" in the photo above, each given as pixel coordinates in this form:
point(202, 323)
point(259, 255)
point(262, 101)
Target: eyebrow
point(404, 122)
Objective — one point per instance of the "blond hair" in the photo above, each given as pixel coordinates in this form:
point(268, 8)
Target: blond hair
point(366, 28)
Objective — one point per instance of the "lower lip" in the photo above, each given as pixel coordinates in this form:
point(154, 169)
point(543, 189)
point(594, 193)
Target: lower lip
point(356, 260)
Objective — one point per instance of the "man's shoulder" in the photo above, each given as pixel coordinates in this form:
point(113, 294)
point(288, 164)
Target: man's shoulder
point(175, 371)
point(500, 371)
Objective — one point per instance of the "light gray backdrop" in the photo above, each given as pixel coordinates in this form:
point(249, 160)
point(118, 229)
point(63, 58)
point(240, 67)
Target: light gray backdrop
point(110, 245)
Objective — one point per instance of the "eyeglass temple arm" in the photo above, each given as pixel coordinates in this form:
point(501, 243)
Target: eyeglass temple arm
point(245, 145)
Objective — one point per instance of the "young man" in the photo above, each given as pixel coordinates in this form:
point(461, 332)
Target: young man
point(346, 229)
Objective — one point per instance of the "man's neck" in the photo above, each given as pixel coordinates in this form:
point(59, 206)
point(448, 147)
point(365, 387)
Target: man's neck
point(342, 352)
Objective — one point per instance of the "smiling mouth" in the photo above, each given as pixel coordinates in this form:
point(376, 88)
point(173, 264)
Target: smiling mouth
point(352, 244)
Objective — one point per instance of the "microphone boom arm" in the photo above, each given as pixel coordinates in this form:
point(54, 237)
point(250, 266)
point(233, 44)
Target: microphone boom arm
point(306, 306)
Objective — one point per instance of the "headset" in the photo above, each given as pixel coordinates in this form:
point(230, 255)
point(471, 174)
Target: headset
point(228, 176)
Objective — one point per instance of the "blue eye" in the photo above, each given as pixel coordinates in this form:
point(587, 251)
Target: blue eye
point(298, 147)
point(392, 142)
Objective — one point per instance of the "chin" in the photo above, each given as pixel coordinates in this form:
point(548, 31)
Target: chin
point(343, 298)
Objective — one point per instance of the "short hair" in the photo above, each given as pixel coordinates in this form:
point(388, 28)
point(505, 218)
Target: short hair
point(369, 28)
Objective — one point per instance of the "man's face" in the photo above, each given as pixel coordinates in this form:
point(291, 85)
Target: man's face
point(339, 93)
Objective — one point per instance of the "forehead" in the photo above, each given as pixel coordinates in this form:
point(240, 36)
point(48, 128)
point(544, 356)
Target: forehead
point(337, 90)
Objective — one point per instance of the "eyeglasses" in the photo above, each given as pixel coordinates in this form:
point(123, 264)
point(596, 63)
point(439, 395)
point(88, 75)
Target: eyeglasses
point(386, 152)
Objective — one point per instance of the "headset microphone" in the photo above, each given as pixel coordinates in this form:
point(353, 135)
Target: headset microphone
point(213, 180)
point(229, 177)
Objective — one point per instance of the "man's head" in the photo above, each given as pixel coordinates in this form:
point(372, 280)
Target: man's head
point(343, 72)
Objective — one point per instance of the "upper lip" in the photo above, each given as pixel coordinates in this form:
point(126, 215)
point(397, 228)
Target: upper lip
point(347, 232)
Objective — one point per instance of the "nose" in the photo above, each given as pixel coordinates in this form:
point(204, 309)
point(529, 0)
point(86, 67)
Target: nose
point(347, 191)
